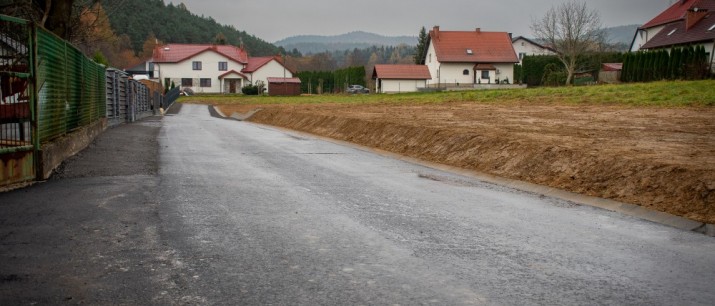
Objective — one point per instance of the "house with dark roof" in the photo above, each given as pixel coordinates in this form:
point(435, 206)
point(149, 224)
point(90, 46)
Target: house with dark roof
point(457, 58)
point(214, 68)
point(524, 46)
point(685, 23)
point(400, 78)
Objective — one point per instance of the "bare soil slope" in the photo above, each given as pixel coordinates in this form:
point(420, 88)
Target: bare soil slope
point(661, 158)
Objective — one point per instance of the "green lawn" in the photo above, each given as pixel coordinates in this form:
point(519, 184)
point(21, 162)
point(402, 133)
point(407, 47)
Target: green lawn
point(677, 93)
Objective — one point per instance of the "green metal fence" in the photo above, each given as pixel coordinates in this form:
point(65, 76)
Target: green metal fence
point(48, 88)
point(71, 87)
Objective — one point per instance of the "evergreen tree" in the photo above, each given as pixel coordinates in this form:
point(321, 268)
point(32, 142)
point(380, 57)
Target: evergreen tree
point(421, 49)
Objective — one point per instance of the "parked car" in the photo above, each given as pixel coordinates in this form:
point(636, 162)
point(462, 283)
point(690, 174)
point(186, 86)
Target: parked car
point(357, 89)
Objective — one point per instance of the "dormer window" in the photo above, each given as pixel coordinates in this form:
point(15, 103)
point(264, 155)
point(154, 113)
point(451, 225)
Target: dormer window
point(470, 52)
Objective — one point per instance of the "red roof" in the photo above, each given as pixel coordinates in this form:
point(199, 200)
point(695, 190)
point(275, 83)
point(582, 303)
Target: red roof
point(175, 53)
point(232, 72)
point(255, 63)
point(401, 72)
point(675, 34)
point(678, 11)
point(284, 80)
point(473, 46)
point(612, 66)
point(484, 67)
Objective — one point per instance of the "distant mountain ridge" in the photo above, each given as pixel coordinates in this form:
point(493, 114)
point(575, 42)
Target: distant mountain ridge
point(311, 44)
point(622, 34)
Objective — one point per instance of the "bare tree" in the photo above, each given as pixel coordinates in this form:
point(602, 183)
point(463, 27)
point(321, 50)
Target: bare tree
point(571, 29)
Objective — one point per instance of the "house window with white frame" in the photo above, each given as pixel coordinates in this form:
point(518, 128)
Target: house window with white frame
point(485, 74)
point(187, 82)
point(196, 65)
point(465, 72)
point(222, 66)
point(205, 82)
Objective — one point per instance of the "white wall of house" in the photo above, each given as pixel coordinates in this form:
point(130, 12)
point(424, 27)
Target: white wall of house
point(503, 72)
point(432, 64)
point(209, 70)
point(454, 73)
point(523, 47)
point(272, 69)
point(398, 86)
point(643, 36)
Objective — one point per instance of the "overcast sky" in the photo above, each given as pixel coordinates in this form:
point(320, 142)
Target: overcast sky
point(273, 20)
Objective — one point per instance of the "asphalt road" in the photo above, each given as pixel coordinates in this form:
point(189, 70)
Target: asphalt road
point(260, 216)
point(227, 212)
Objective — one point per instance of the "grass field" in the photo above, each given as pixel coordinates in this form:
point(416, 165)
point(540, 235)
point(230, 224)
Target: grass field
point(678, 93)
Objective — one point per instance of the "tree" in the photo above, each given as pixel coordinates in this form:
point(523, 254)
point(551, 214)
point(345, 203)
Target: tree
point(421, 49)
point(572, 30)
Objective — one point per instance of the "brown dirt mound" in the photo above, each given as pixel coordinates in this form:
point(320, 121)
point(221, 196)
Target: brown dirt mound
point(661, 158)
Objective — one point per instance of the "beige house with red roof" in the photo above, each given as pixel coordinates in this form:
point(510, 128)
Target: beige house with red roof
point(456, 58)
point(214, 68)
point(685, 23)
point(400, 78)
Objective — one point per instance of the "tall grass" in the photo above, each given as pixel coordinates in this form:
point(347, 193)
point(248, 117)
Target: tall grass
point(674, 93)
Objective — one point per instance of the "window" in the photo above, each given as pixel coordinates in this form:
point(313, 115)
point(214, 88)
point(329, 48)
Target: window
point(485, 74)
point(470, 52)
point(465, 72)
point(196, 65)
point(521, 55)
point(430, 57)
point(671, 32)
point(222, 66)
point(205, 82)
point(187, 82)
point(712, 27)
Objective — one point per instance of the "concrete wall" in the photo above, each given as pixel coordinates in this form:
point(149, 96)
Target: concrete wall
point(54, 153)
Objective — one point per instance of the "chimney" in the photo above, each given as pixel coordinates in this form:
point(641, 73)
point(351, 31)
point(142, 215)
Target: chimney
point(435, 30)
point(694, 16)
point(479, 30)
point(511, 36)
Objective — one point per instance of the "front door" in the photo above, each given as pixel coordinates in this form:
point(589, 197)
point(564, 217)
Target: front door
point(232, 86)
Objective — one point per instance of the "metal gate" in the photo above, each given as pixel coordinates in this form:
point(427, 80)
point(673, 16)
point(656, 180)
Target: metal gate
point(18, 129)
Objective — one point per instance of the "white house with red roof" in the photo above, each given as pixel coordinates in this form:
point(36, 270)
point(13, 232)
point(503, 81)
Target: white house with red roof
point(686, 22)
point(456, 58)
point(524, 46)
point(400, 78)
point(214, 68)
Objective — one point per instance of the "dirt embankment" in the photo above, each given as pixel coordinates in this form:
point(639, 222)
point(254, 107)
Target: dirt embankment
point(661, 158)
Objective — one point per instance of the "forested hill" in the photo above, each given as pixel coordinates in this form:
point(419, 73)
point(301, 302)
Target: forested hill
point(311, 44)
point(171, 23)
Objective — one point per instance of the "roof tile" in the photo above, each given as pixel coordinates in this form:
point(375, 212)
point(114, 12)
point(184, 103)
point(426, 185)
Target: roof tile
point(485, 47)
point(175, 53)
point(675, 34)
point(677, 12)
point(401, 72)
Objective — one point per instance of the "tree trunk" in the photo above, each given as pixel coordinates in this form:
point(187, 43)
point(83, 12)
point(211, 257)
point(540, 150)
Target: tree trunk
point(59, 17)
